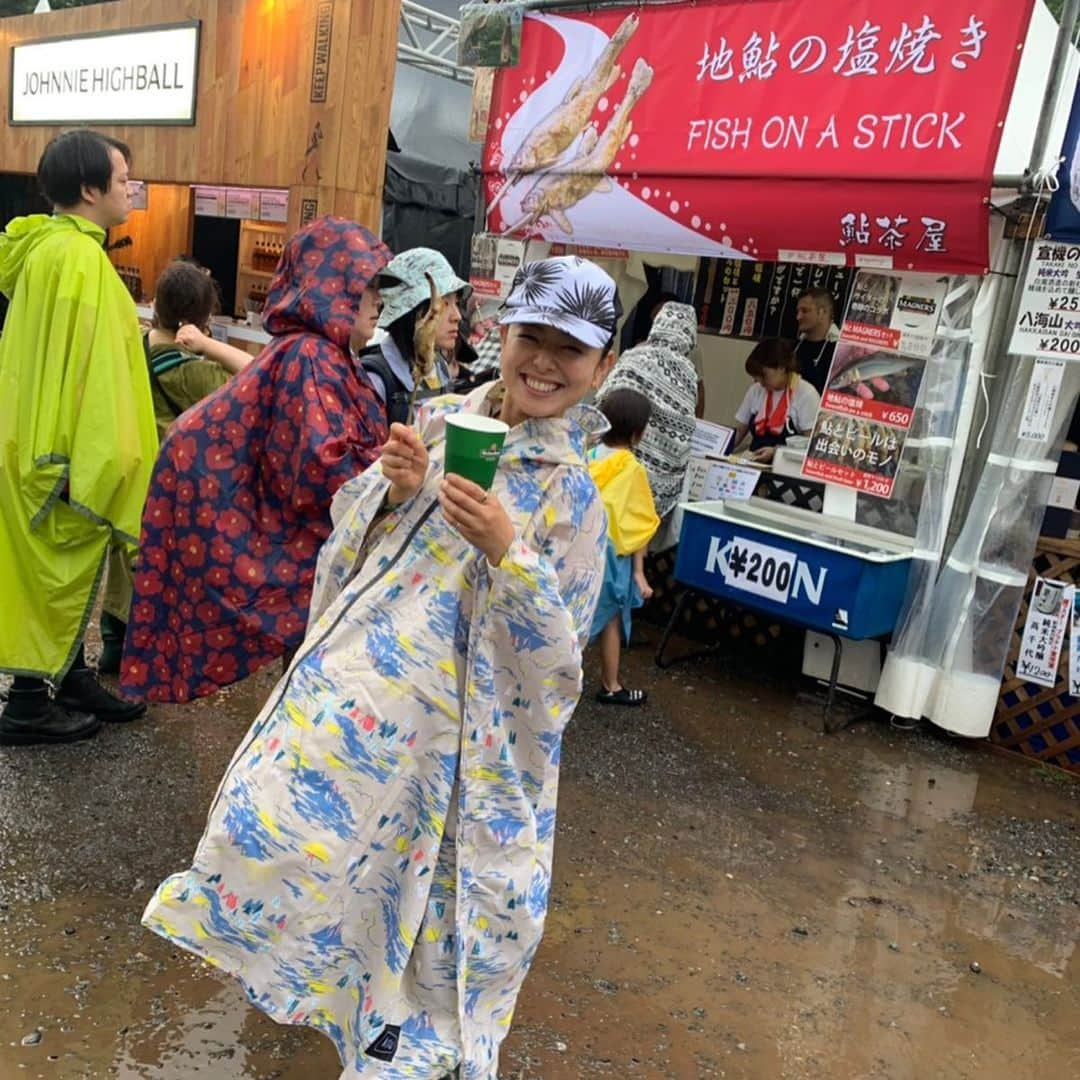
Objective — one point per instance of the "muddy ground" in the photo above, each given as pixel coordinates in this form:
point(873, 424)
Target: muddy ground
point(735, 895)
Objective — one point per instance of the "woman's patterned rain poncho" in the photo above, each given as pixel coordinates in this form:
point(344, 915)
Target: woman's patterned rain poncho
point(240, 499)
point(377, 861)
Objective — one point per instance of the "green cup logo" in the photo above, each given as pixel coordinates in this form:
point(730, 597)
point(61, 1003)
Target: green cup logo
point(473, 447)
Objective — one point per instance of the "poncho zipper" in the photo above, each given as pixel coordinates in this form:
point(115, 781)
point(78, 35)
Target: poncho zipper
point(322, 637)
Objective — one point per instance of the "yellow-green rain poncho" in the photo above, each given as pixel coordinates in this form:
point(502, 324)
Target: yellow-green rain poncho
point(77, 435)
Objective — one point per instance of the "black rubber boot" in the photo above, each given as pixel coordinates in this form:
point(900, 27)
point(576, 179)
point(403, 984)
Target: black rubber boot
point(30, 718)
point(81, 692)
point(112, 644)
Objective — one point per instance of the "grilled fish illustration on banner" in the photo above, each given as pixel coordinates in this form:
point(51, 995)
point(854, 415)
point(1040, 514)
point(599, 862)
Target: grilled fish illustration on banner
point(557, 132)
point(556, 193)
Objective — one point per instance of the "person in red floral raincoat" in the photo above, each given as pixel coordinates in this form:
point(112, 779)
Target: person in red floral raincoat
point(239, 503)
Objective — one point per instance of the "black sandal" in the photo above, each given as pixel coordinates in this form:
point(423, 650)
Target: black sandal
point(622, 696)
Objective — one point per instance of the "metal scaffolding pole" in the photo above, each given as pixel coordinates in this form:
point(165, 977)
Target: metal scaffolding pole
point(428, 41)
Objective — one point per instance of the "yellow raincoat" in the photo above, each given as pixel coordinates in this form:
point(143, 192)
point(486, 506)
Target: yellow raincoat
point(77, 435)
point(624, 489)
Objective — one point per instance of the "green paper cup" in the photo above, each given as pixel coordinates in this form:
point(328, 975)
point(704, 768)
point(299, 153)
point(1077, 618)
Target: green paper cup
point(473, 446)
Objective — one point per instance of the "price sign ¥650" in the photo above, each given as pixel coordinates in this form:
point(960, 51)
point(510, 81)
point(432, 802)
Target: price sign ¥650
point(758, 569)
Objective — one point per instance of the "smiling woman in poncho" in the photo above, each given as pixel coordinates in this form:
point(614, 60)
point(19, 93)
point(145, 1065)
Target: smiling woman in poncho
point(378, 858)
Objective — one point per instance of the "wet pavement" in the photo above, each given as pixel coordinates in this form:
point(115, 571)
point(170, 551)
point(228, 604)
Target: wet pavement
point(735, 895)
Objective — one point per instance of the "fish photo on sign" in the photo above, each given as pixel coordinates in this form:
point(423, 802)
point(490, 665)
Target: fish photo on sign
point(557, 192)
point(873, 384)
point(881, 376)
point(561, 129)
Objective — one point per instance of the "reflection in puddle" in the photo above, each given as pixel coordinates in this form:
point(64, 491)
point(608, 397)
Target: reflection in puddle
point(734, 895)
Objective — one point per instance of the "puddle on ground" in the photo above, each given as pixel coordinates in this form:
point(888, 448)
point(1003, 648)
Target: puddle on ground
point(735, 895)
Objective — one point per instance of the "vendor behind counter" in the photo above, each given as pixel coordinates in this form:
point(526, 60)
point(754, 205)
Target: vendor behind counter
point(779, 404)
point(818, 335)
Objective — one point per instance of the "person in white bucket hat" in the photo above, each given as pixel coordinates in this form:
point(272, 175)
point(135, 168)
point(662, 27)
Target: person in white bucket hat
point(395, 367)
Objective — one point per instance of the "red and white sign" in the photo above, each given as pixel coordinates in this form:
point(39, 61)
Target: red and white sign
point(495, 263)
point(861, 132)
point(865, 416)
point(897, 313)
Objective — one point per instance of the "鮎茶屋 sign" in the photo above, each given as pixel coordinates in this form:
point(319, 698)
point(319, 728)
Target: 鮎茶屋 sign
point(143, 76)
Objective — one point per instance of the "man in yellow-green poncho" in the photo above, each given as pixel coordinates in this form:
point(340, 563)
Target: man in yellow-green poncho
point(77, 438)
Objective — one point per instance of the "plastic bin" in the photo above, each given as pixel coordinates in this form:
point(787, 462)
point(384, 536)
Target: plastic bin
point(820, 573)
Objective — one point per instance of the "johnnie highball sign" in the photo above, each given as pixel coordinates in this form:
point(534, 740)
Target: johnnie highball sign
point(142, 76)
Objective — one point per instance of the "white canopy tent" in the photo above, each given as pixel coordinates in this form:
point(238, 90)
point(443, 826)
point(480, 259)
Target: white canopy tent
point(950, 647)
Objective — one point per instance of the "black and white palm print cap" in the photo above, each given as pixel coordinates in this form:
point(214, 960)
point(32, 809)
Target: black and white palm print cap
point(569, 293)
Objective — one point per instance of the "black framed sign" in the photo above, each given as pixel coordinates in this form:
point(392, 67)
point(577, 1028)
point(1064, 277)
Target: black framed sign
point(749, 299)
point(142, 76)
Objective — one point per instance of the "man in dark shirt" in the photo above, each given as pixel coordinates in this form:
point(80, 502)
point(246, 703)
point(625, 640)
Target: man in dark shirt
point(818, 335)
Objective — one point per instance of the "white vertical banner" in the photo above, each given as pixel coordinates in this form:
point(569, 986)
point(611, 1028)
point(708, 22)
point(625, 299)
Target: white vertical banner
point(1048, 618)
point(1042, 399)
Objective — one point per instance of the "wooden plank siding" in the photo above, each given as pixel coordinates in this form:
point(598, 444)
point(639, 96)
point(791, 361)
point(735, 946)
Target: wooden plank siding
point(254, 116)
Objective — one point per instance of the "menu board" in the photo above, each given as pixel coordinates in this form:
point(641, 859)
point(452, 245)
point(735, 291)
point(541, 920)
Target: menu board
point(749, 299)
point(250, 204)
point(239, 203)
point(495, 263)
point(873, 383)
point(274, 206)
point(137, 195)
point(1047, 323)
point(210, 201)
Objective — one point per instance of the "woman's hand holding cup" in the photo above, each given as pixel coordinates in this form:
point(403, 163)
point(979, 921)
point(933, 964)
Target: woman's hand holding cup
point(478, 515)
point(404, 461)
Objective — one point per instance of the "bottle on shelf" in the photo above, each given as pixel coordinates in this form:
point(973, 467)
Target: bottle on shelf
point(131, 276)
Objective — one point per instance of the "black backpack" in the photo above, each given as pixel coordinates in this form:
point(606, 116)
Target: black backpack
point(157, 367)
point(397, 397)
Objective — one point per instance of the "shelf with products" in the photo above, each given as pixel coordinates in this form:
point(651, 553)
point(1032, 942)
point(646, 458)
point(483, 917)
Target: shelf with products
point(261, 246)
point(131, 276)
point(265, 227)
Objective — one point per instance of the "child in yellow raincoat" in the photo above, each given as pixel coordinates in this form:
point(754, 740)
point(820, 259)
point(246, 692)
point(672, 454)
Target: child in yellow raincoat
point(632, 522)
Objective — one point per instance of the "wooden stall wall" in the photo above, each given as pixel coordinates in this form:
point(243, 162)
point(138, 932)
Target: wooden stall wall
point(292, 94)
point(158, 234)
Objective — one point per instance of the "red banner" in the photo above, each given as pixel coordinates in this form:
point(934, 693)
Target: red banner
point(806, 132)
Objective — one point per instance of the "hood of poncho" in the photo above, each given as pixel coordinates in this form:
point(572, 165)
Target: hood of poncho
point(320, 279)
point(675, 328)
point(23, 234)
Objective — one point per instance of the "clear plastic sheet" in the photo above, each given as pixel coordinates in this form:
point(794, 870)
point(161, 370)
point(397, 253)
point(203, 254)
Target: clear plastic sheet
point(950, 652)
point(926, 487)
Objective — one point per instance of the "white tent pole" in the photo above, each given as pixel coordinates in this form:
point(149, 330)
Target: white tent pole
point(1058, 66)
point(1008, 301)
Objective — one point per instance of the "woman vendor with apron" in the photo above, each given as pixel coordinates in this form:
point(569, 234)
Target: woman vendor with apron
point(779, 404)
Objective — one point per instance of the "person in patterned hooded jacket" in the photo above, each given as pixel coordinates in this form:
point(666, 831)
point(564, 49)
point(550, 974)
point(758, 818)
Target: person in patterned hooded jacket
point(660, 368)
point(239, 503)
